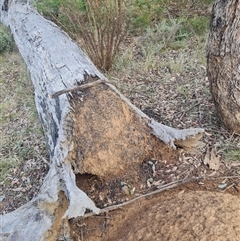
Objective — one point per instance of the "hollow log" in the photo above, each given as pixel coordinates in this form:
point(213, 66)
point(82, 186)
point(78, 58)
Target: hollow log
point(92, 129)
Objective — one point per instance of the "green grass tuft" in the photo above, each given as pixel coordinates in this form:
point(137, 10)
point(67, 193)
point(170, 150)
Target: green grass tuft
point(232, 155)
point(6, 40)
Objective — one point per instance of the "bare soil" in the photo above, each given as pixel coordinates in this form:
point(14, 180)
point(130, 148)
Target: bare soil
point(179, 214)
point(204, 209)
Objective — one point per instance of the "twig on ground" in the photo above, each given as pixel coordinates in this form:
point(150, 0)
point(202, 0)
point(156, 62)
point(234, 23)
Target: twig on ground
point(230, 186)
point(186, 111)
point(163, 188)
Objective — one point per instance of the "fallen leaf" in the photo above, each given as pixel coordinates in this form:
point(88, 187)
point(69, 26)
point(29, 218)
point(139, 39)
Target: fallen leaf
point(158, 183)
point(212, 160)
point(222, 185)
point(18, 189)
point(181, 192)
point(125, 190)
point(132, 191)
point(238, 172)
point(148, 183)
point(235, 164)
point(2, 198)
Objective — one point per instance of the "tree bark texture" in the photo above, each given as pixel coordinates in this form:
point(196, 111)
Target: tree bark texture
point(223, 61)
point(94, 130)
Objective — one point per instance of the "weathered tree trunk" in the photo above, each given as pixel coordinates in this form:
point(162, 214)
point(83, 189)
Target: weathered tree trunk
point(223, 66)
point(95, 130)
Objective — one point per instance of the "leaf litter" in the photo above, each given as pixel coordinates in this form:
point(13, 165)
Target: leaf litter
point(23, 155)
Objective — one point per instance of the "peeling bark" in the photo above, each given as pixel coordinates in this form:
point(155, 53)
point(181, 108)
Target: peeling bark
point(223, 61)
point(95, 130)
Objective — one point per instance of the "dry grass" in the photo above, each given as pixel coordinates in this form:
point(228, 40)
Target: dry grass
point(167, 80)
point(22, 150)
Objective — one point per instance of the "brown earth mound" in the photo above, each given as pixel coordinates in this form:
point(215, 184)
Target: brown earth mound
point(184, 216)
point(192, 216)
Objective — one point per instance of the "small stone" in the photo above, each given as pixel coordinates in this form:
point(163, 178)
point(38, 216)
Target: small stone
point(125, 190)
point(2, 198)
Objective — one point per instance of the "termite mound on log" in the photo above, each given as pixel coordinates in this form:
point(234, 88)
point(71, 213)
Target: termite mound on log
point(110, 137)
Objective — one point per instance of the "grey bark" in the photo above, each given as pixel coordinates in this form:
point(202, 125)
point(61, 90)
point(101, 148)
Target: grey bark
point(55, 62)
point(223, 61)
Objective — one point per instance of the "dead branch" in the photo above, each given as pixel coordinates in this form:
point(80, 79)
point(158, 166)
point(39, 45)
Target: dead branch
point(75, 88)
point(161, 189)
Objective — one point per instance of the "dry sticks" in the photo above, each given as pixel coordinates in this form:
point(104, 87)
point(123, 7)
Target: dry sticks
point(75, 88)
point(161, 189)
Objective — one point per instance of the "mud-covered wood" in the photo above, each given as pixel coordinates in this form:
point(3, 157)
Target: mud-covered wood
point(94, 130)
point(223, 61)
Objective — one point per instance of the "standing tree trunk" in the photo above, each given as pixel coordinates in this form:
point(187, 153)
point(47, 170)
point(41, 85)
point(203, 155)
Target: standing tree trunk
point(223, 61)
point(89, 128)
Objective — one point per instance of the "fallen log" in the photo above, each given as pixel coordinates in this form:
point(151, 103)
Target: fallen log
point(93, 130)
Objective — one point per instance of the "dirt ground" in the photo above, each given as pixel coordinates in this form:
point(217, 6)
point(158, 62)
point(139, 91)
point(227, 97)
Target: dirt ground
point(193, 211)
point(163, 201)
